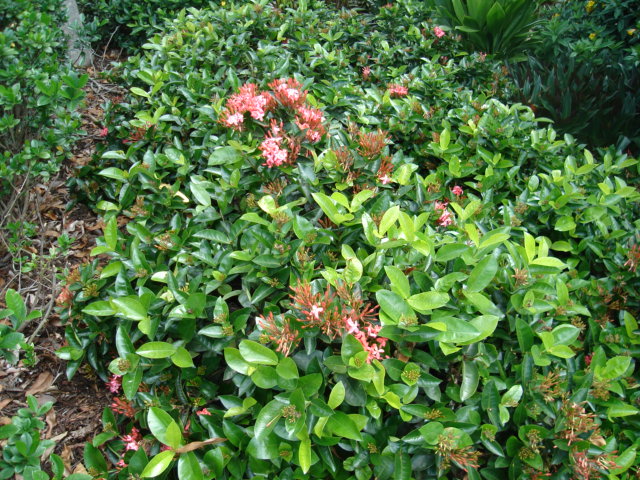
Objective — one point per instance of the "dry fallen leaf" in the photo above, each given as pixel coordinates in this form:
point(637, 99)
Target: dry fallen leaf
point(42, 384)
point(189, 447)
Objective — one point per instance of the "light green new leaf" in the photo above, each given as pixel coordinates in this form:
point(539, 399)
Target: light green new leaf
point(158, 464)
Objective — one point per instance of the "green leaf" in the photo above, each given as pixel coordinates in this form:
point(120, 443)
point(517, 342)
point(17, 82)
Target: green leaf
point(304, 455)
point(253, 352)
point(287, 369)
point(399, 281)
point(512, 396)
point(470, 380)
point(267, 418)
point(457, 330)
point(342, 425)
point(482, 274)
point(182, 358)
point(212, 235)
point(427, 301)
point(200, 193)
point(173, 435)
point(226, 156)
point(16, 305)
point(158, 464)
point(451, 251)
point(93, 458)
point(549, 262)
point(189, 467)
point(131, 382)
point(156, 350)
point(234, 360)
point(336, 397)
point(565, 334)
point(431, 432)
point(99, 309)
point(159, 421)
point(138, 91)
point(255, 218)
point(624, 461)
point(389, 219)
point(402, 470)
point(491, 402)
point(111, 233)
point(129, 307)
point(393, 305)
point(614, 368)
point(621, 409)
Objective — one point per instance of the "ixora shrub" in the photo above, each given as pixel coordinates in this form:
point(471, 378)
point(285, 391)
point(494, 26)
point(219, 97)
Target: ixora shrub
point(38, 93)
point(338, 275)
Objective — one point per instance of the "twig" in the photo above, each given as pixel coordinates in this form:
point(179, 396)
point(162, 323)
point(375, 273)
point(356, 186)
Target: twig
point(45, 317)
point(104, 52)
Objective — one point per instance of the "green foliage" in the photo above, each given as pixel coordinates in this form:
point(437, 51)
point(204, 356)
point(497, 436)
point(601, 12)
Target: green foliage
point(501, 27)
point(23, 447)
point(11, 340)
point(437, 283)
point(584, 72)
point(127, 23)
point(38, 93)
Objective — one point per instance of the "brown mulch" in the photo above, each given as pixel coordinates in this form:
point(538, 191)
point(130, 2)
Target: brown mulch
point(77, 403)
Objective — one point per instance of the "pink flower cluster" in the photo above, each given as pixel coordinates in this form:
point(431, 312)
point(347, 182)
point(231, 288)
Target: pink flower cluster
point(288, 91)
point(457, 190)
point(114, 383)
point(445, 218)
point(368, 338)
point(248, 100)
point(385, 170)
point(438, 32)
point(396, 90)
point(132, 441)
point(271, 147)
point(310, 120)
point(277, 148)
point(366, 73)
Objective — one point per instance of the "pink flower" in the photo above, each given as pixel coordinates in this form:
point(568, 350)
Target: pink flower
point(385, 179)
point(457, 190)
point(445, 219)
point(272, 151)
point(316, 311)
point(440, 205)
point(366, 73)
point(310, 119)
point(121, 464)
point(438, 32)
point(204, 411)
point(373, 331)
point(103, 132)
point(352, 326)
point(132, 441)
point(114, 383)
point(234, 120)
point(247, 100)
point(396, 90)
point(288, 91)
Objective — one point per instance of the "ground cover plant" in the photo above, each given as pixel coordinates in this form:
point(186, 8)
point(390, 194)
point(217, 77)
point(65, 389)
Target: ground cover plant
point(330, 252)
